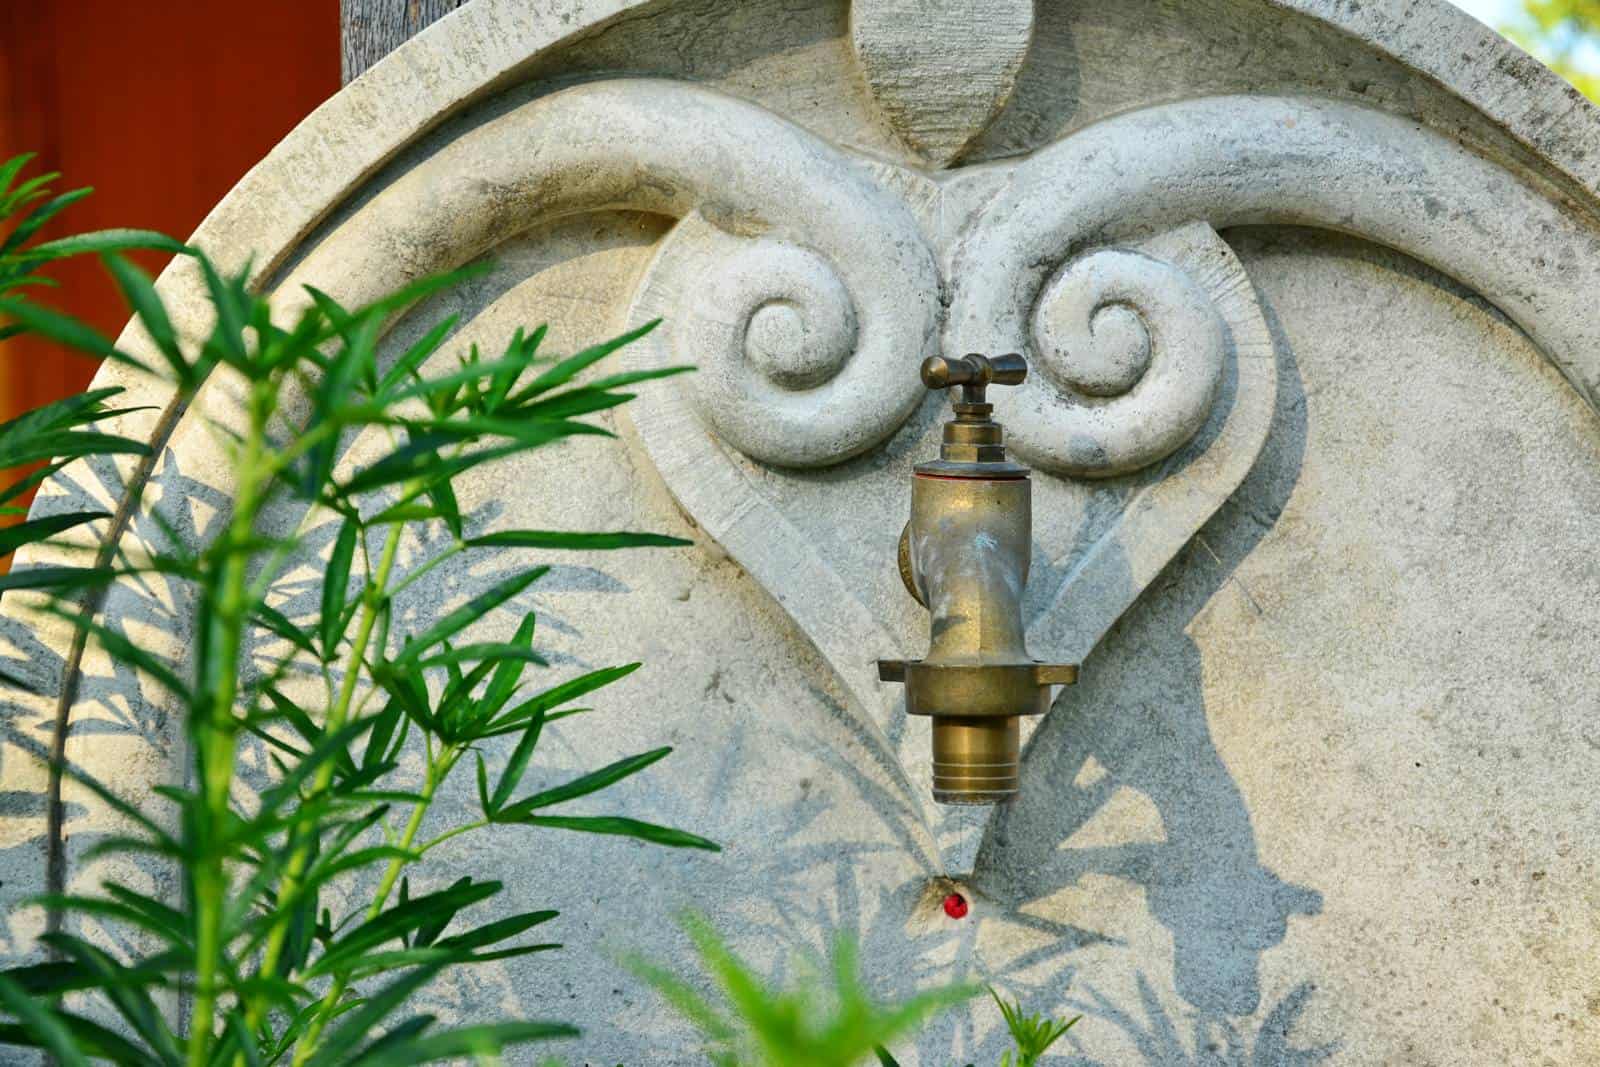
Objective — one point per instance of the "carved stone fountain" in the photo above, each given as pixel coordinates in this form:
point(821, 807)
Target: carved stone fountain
point(1308, 293)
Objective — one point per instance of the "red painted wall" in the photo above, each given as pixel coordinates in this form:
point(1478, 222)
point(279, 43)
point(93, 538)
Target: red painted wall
point(161, 107)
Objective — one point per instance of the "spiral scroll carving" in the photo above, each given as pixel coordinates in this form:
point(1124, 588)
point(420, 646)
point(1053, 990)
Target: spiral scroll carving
point(773, 328)
point(802, 356)
point(1129, 354)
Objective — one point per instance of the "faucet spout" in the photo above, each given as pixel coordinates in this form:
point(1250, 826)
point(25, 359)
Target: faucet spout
point(964, 555)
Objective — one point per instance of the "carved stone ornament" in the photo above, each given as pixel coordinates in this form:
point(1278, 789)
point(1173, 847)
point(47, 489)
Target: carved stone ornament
point(1309, 292)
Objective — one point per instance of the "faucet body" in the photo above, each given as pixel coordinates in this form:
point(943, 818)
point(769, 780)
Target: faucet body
point(964, 555)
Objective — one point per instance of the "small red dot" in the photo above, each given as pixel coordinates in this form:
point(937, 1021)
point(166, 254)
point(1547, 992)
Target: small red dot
point(955, 906)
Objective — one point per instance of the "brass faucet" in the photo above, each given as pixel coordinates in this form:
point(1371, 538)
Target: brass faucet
point(964, 556)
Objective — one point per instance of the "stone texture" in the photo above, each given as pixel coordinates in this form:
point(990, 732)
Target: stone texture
point(1324, 791)
point(937, 97)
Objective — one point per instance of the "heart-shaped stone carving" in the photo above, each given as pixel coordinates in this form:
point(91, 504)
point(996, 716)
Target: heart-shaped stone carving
point(822, 541)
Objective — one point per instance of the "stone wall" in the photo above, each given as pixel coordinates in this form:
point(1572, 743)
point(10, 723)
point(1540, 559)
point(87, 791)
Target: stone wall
point(1309, 291)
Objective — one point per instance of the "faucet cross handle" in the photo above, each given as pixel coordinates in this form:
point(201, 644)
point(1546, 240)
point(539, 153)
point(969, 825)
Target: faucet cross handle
point(973, 372)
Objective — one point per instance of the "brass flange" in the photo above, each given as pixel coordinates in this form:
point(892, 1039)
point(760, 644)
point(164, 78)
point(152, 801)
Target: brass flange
point(977, 691)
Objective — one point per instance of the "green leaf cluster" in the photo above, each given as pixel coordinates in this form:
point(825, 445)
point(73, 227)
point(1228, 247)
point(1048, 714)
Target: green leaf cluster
point(37, 444)
point(822, 1021)
point(1032, 1034)
point(273, 962)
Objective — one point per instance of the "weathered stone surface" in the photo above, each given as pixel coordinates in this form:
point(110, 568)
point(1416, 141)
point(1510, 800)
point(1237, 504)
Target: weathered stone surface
point(1324, 793)
point(938, 97)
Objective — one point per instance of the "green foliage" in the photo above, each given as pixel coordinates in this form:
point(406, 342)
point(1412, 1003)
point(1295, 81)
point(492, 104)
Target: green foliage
point(752, 1024)
point(38, 443)
point(274, 966)
point(816, 1023)
point(1565, 34)
point(1032, 1034)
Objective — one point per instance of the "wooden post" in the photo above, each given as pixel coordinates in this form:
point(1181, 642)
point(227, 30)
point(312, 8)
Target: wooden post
point(371, 29)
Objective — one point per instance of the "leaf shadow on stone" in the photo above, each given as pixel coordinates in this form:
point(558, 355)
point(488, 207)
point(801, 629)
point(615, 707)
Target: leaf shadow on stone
point(1212, 1042)
point(1138, 720)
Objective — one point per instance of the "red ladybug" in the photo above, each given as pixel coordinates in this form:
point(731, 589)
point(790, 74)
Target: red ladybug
point(955, 906)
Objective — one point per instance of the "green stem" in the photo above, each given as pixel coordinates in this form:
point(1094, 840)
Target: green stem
point(330, 1001)
point(455, 831)
point(216, 737)
point(450, 553)
point(338, 715)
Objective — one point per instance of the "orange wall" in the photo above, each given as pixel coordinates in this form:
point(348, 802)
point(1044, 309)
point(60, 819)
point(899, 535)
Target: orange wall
point(161, 106)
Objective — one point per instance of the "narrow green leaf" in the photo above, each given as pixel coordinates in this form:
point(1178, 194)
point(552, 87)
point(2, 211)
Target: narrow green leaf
point(483, 782)
point(526, 347)
point(459, 714)
point(406, 512)
point(689, 1003)
point(40, 215)
point(482, 1043)
point(505, 654)
point(634, 377)
point(383, 731)
point(335, 587)
point(27, 533)
point(334, 746)
point(623, 827)
point(565, 692)
point(430, 912)
point(572, 366)
point(509, 672)
point(65, 330)
point(20, 448)
point(573, 540)
point(227, 335)
point(239, 1041)
point(464, 616)
point(11, 168)
point(277, 622)
point(499, 930)
point(500, 727)
point(338, 1047)
point(432, 468)
point(141, 296)
point(92, 1038)
point(443, 495)
point(130, 997)
point(331, 868)
point(26, 193)
point(449, 383)
point(58, 579)
point(570, 405)
point(412, 292)
point(581, 786)
point(28, 481)
point(45, 1028)
point(516, 766)
point(116, 910)
point(415, 356)
point(23, 431)
point(105, 241)
point(155, 911)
